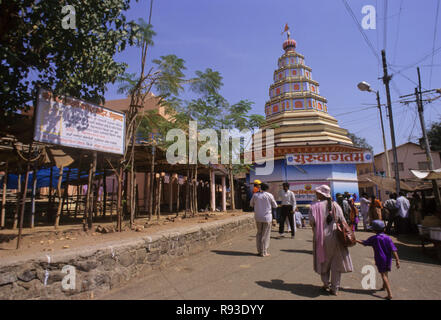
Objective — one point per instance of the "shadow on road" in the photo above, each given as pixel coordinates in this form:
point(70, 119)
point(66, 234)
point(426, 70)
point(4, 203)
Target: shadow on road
point(297, 251)
point(300, 289)
point(234, 253)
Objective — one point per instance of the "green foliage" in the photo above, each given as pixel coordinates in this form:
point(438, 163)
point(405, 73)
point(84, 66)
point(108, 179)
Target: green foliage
point(434, 135)
point(36, 51)
point(360, 142)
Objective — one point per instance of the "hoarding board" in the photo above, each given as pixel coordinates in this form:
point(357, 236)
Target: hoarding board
point(329, 158)
point(75, 123)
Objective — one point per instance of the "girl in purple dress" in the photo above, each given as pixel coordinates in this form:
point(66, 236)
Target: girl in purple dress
point(384, 248)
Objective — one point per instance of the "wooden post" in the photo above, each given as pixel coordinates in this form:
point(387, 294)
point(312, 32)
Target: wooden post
point(104, 191)
point(136, 200)
point(88, 218)
point(159, 197)
point(224, 194)
point(178, 195)
point(17, 208)
point(66, 192)
point(23, 204)
point(146, 193)
point(212, 190)
point(112, 200)
point(5, 189)
point(119, 198)
point(232, 192)
point(34, 191)
point(49, 203)
point(60, 200)
point(152, 177)
point(170, 193)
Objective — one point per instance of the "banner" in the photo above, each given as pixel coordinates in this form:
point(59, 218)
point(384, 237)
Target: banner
point(75, 123)
point(304, 191)
point(328, 158)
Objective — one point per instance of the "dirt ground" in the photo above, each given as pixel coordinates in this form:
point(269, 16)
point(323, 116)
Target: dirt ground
point(47, 239)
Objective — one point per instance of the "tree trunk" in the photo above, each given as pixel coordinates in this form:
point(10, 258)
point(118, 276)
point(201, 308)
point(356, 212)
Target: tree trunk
point(119, 199)
point(152, 182)
point(50, 199)
point(34, 191)
point(195, 188)
point(17, 209)
point(60, 198)
point(112, 200)
point(23, 204)
point(104, 191)
point(66, 193)
point(159, 197)
point(178, 196)
point(5, 189)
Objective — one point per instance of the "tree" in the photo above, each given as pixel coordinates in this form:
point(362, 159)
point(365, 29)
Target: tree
point(360, 142)
point(35, 49)
point(434, 135)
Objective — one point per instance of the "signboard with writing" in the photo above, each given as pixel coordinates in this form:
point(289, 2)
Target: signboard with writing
point(304, 191)
point(329, 158)
point(75, 123)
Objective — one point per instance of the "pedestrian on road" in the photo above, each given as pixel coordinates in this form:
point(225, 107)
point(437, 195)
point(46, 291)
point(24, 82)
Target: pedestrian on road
point(384, 248)
point(375, 209)
point(364, 210)
point(288, 200)
point(299, 218)
point(262, 202)
point(390, 206)
point(331, 258)
point(353, 213)
point(403, 206)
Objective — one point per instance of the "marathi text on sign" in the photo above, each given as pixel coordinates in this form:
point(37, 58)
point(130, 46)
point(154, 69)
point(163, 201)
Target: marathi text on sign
point(75, 123)
point(328, 158)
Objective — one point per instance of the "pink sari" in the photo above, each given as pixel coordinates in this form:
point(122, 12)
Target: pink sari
point(316, 211)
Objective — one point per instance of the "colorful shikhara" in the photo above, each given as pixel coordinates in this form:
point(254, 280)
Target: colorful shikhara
point(293, 88)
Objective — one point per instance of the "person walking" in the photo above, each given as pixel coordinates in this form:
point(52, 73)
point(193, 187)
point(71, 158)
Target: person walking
point(298, 217)
point(375, 209)
point(403, 206)
point(288, 202)
point(353, 215)
point(384, 248)
point(331, 258)
point(364, 210)
point(262, 202)
point(391, 206)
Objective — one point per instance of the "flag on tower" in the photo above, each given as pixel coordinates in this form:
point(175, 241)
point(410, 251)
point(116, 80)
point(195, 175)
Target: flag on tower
point(286, 29)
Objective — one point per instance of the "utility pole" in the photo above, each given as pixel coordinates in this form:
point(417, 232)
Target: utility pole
point(419, 99)
point(388, 173)
point(386, 80)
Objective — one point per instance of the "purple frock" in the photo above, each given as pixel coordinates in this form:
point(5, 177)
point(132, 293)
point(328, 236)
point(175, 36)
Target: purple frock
point(383, 248)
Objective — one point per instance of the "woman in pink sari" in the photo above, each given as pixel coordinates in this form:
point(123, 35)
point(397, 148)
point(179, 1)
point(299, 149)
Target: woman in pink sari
point(331, 258)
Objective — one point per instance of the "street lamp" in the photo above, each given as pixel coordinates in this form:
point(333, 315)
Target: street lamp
point(364, 86)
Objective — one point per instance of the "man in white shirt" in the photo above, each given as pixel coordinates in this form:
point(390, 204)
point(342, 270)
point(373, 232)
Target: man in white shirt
point(288, 200)
point(403, 206)
point(263, 202)
point(364, 210)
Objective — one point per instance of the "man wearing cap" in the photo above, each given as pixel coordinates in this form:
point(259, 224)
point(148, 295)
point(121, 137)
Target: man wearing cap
point(263, 202)
point(288, 200)
point(257, 184)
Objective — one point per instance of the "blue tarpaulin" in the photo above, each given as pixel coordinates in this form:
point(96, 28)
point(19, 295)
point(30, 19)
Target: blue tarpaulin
point(43, 177)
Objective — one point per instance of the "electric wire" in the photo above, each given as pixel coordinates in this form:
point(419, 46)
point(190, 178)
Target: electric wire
point(434, 38)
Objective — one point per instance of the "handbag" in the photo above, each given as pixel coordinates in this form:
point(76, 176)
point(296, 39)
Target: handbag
point(344, 232)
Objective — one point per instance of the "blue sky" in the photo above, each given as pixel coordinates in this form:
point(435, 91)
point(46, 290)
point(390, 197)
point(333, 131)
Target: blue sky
point(241, 39)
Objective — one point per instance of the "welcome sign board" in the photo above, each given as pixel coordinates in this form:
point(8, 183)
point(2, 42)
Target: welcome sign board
point(75, 123)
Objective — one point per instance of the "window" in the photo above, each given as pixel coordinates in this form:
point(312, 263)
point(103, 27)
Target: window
point(400, 166)
point(424, 165)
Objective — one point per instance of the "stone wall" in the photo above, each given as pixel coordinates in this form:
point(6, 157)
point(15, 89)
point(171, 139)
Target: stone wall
point(102, 267)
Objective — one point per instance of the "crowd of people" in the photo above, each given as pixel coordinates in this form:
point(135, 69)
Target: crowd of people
point(331, 256)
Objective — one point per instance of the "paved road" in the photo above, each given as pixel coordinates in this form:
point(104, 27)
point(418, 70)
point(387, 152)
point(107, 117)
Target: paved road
point(233, 271)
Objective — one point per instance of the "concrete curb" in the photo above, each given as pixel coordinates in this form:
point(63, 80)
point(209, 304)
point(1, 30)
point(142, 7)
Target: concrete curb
point(105, 266)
